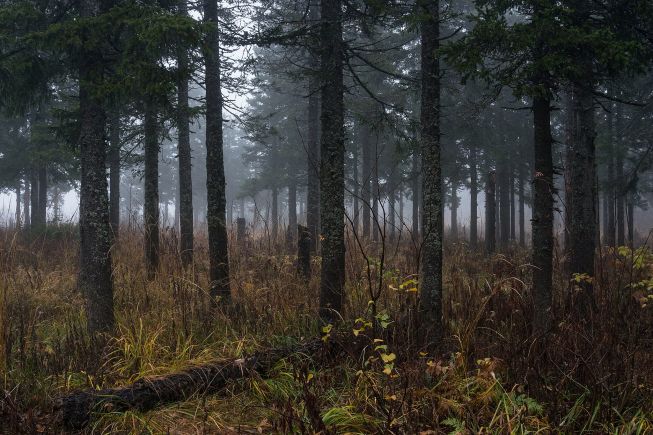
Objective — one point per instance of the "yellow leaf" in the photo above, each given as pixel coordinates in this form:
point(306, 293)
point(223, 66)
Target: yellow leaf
point(388, 357)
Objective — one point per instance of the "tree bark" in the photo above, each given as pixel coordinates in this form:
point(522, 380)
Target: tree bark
point(34, 198)
point(416, 195)
point(454, 209)
point(377, 225)
point(313, 157)
point(543, 190)
point(366, 142)
point(504, 204)
point(356, 189)
point(332, 177)
point(151, 191)
point(609, 196)
point(18, 213)
point(114, 173)
point(490, 213)
point(619, 174)
point(473, 198)
point(95, 278)
point(582, 234)
point(185, 192)
point(522, 217)
point(291, 233)
point(215, 179)
point(27, 221)
point(431, 259)
point(511, 187)
point(304, 252)
point(43, 194)
point(631, 218)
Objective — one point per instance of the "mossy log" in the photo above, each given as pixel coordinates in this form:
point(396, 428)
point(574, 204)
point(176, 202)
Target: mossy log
point(147, 394)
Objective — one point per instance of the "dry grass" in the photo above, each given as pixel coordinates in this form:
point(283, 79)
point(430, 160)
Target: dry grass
point(490, 376)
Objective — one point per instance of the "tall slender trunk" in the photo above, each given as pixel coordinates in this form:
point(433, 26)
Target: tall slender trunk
point(504, 203)
point(43, 194)
point(366, 142)
point(377, 225)
point(511, 188)
point(313, 155)
point(490, 213)
point(473, 198)
point(454, 209)
point(431, 259)
point(34, 197)
point(401, 209)
point(609, 196)
point(356, 189)
point(582, 235)
point(416, 195)
point(215, 178)
point(18, 214)
point(114, 173)
point(619, 174)
point(27, 221)
point(95, 278)
point(275, 215)
point(631, 218)
point(569, 150)
point(522, 217)
point(332, 171)
point(543, 190)
point(185, 189)
point(291, 233)
point(151, 191)
point(392, 211)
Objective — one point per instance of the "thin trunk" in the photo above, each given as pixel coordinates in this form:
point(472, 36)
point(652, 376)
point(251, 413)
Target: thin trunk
point(292, 214)
point(631, 218)
point(95, 278)
point(504, 204)
point(34, 197)
point(490, 213)
point(356, 189)
point(619, 176)
point(151, 191)
point(27, 221)
point(275, 215)
point(377, 225)
point(431, 258)
point(543, 190)
point(313, 157)
point(332, 176)
point(43, 194)
point(609, 197)
point(522, 217)
point(366, 142)
point(114, 173)
point(569, 150)
point(473, 198)
point(215, 179)
point(454, 209)
point(582, 236)
point(185, 188)
point(18, 214)
point(416, 196)
point(511, 188)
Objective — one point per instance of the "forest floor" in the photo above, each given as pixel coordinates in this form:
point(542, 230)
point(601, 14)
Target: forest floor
point(490, 375)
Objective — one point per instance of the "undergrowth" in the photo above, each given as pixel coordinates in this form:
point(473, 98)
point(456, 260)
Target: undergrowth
point(489, 376)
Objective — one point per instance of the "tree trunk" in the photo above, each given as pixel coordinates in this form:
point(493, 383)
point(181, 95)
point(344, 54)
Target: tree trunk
point(582, 234)
point(490, 213)
point(313, 157)
point(569, 150)
point(43, 194)
point(95, 279)
point(473, 198)
point(27, 221)
point(275, 216)
point(356, 189)
point(151, 191)
point(185, 188)
point(18, 214)
point(431, 259)
point(34, 197)
point(511, 187)
point(392, 211)
point(114, 173)
point(215, 179)
point(366, 142)
point(304, 252)
point(522, 217)
point(609, 196)
point(291, 233)
point(543, 190)
point(454, 209)
point(619, 174)
point(416, 195)
point(377, 225)
point(631, 218)
point(504, 204)
point(332, 175)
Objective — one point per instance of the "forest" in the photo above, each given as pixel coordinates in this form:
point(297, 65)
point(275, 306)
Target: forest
point(326, 216)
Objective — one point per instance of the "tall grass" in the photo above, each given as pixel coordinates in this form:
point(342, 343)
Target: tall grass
point(491, 375)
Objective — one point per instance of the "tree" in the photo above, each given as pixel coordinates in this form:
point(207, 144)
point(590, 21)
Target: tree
point(332, 177)
point(215, 179)
point(431, 259)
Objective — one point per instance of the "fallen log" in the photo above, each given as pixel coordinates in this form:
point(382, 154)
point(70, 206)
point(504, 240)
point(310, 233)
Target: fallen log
point(147, 394)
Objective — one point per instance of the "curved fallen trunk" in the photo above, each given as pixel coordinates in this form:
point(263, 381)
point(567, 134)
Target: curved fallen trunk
point(150, 393)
